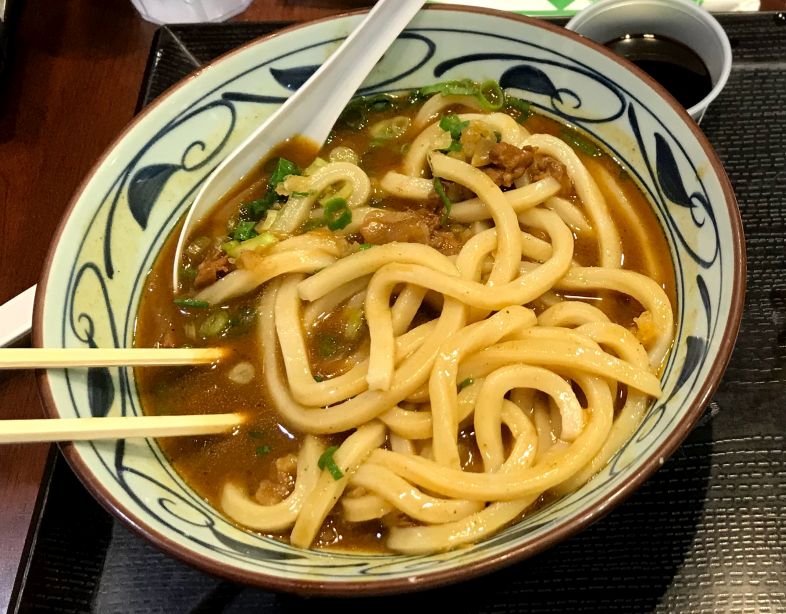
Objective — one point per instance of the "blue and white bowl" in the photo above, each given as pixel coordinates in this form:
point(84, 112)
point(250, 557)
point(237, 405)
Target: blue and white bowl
point(134, 196)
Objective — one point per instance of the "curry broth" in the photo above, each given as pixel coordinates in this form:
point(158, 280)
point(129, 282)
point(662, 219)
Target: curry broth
point(247, 456)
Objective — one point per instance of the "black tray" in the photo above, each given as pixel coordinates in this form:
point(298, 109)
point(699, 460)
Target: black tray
point(706, 534)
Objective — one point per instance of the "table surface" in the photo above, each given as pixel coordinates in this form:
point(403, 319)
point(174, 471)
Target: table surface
point(61, 105)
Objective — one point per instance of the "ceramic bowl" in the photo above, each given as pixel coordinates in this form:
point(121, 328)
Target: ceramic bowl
point(134, 196)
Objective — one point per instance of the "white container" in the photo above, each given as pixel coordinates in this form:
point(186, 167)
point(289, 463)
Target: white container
point(681, 20)
point(189, 11)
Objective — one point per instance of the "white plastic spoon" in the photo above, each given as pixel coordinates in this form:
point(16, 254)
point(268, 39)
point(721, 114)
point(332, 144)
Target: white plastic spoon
point(311, 111)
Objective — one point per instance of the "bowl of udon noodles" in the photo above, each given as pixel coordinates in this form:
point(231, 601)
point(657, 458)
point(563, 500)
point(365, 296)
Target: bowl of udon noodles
point(475, 320)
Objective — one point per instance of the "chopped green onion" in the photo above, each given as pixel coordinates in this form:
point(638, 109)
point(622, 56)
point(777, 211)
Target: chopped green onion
point(491, 96)
point(255, 434)
point(451, 123)
point(191, 303)
point(256, 209)
point(520, 108)
point(263, 449)
point(354, 319)
point(327, 346)
point(380, 103)
point(365, 246)
point(258, 241)
point(244, 230)
point(465, 87)
point(300, 194)
point(355, 114)
point(337, 214)
point(230, 247)
point(440, 190)
point(214, 324)
point(390, 129)
point(313, 224)
point(188, 272)
point(354, 117)
point(318, 379)
point(344, 192)
point(326, 462)
point(580, 142)
point(283, 169)
point(464, 383)
point(314, 166)
point(242, 320)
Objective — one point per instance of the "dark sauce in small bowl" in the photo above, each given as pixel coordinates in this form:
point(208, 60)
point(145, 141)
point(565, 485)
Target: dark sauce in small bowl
point(675, 66)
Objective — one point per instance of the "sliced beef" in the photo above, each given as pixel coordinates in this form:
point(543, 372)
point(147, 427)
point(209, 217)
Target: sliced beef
point(508, 163)
point(215, 265)
point(545, 166)
point(278, 488)
point(385, 226)
point(415, 226)
point(446, 241)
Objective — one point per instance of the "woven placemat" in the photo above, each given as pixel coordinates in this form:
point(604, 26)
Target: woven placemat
point(707, 533)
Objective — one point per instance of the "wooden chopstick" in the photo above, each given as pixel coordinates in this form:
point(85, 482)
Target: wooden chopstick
point(78, 429)
point(52, 358)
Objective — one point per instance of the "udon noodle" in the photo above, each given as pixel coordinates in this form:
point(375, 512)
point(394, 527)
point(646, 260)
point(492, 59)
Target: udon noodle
point(438, 321)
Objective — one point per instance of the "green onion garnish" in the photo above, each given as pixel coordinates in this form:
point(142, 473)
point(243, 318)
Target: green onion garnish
point(214, 324)
point(364, 246)
point(188, 272)
point(337, 214)
point(313, 224)
point(489, 93)
point(263, 449)
point(440, 190)
point(245, 231)
point(326, 462)
point(354, 323)
point(491, 96)
point(283, 169)
point(191, 303)
point(255, 434)
point(464, 87)
point(580, 142)
point(256, 209)
point(464, 383)
point(521, 107)
point(451, 123)
point(328, 346)
point(318, 379)
point(355, 114)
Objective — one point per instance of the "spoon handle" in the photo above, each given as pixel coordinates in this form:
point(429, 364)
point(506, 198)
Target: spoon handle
point(334, 84)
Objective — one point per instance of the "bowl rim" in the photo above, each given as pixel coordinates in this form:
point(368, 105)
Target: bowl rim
point(489, 563)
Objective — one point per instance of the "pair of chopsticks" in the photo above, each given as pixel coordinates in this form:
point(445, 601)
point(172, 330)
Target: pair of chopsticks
point(75, 429)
